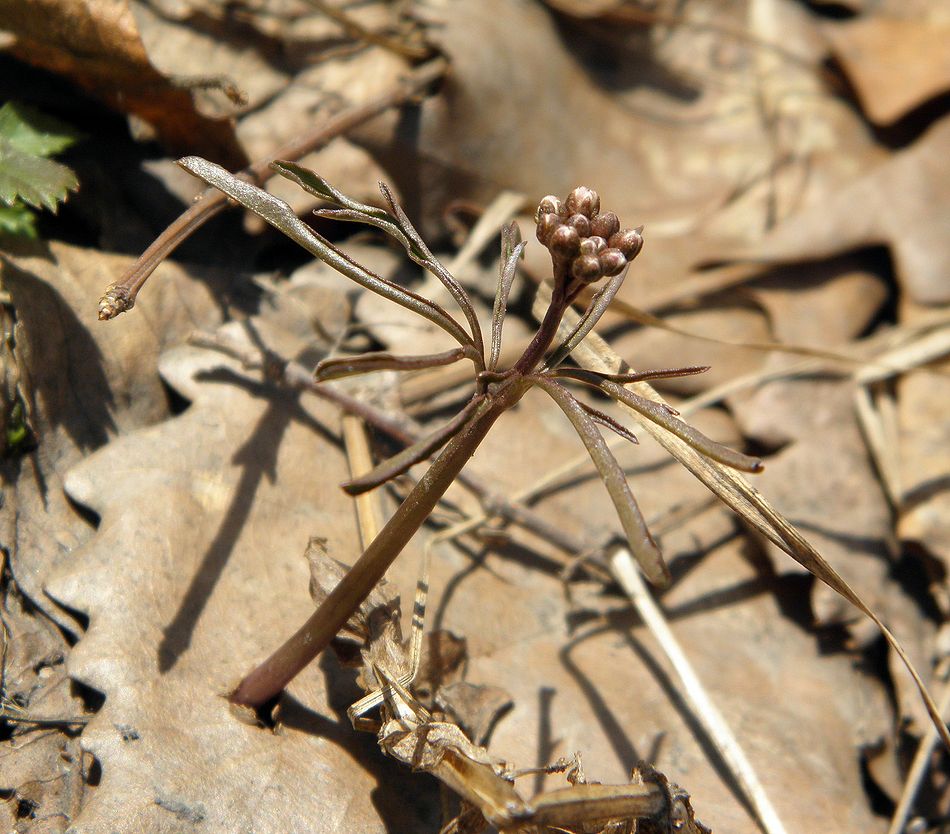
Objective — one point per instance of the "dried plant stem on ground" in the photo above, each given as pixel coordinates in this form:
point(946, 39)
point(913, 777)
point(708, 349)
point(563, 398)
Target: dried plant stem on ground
point(695, 693)
point(922, 758)
point(410, 732)
point(369, 508)
point(120, 296)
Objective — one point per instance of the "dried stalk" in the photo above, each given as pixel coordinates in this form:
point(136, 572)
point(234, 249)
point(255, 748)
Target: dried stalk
point(369, 508)
point(120, 296)
point(921, 761)
point(695, 693)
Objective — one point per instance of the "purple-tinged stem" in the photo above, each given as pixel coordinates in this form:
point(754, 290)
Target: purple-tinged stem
point(268, 679)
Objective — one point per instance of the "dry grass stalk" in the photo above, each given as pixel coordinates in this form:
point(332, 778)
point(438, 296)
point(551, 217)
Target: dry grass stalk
point(695, 693)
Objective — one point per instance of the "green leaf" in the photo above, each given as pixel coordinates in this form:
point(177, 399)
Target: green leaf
point(36, 181)
point(17, 220)
point(33, 132)
point(26, 138)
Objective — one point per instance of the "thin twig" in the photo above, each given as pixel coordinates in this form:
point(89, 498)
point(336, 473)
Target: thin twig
point(16, 717)
point(356, 30)
point(705, 711)
point(921, 759)
point(369, 509)
point(121, 295)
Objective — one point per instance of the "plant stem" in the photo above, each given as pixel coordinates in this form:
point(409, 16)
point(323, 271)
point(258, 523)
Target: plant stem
point(534, 353)
point(268, 679)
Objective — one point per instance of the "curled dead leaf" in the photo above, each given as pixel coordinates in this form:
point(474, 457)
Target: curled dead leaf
point(96, 44)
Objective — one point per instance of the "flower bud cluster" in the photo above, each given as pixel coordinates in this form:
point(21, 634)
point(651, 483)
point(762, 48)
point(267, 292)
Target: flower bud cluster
point(588, 244)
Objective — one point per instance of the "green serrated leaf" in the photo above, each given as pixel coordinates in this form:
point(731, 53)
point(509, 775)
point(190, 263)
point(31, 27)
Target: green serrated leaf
point(35, 133)
point(17, 220)
point(26, 176)
point(36, 181)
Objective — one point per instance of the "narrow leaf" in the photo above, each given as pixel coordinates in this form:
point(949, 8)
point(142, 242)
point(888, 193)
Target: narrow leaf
point(505, 279)
point(337, 368)
point(352, 211)
point(435, 266)
point(315, 184)
point(607, 421)
point(281, 216)
point(640, 376)
point(384, 223)
point(641, 542)
point(744, 499)
point(660, 414)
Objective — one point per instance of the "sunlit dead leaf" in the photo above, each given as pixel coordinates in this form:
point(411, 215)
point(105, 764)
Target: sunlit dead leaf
point(823, 481)
point(902, 203)
point(896, 64)
point(95, 43)
point(83, 384)
point(197, 570)
point(677, 135)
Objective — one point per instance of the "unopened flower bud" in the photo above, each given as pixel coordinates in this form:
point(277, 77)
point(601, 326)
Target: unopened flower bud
point(593, 245)
point(549, 205)
point(583, 200)
point(605, 225)
point(547, 223)
point(581, 223)
point(628, 241)
point(564, 241)
point(586, 268)
point(612, 262)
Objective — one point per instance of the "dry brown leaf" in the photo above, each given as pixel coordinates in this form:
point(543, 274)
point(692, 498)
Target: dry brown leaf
point(84, 383)
point(41, 768)
point(605, 691)
point(195, 49)
point(318, 70)
point(195, 573)
point(924, 512)
point(685, 145)
point(896, 64)
point(823, 305)
point(96, 44)
point(902, 203)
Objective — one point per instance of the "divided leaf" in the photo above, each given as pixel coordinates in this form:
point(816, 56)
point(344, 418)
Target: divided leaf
point(594, 354)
